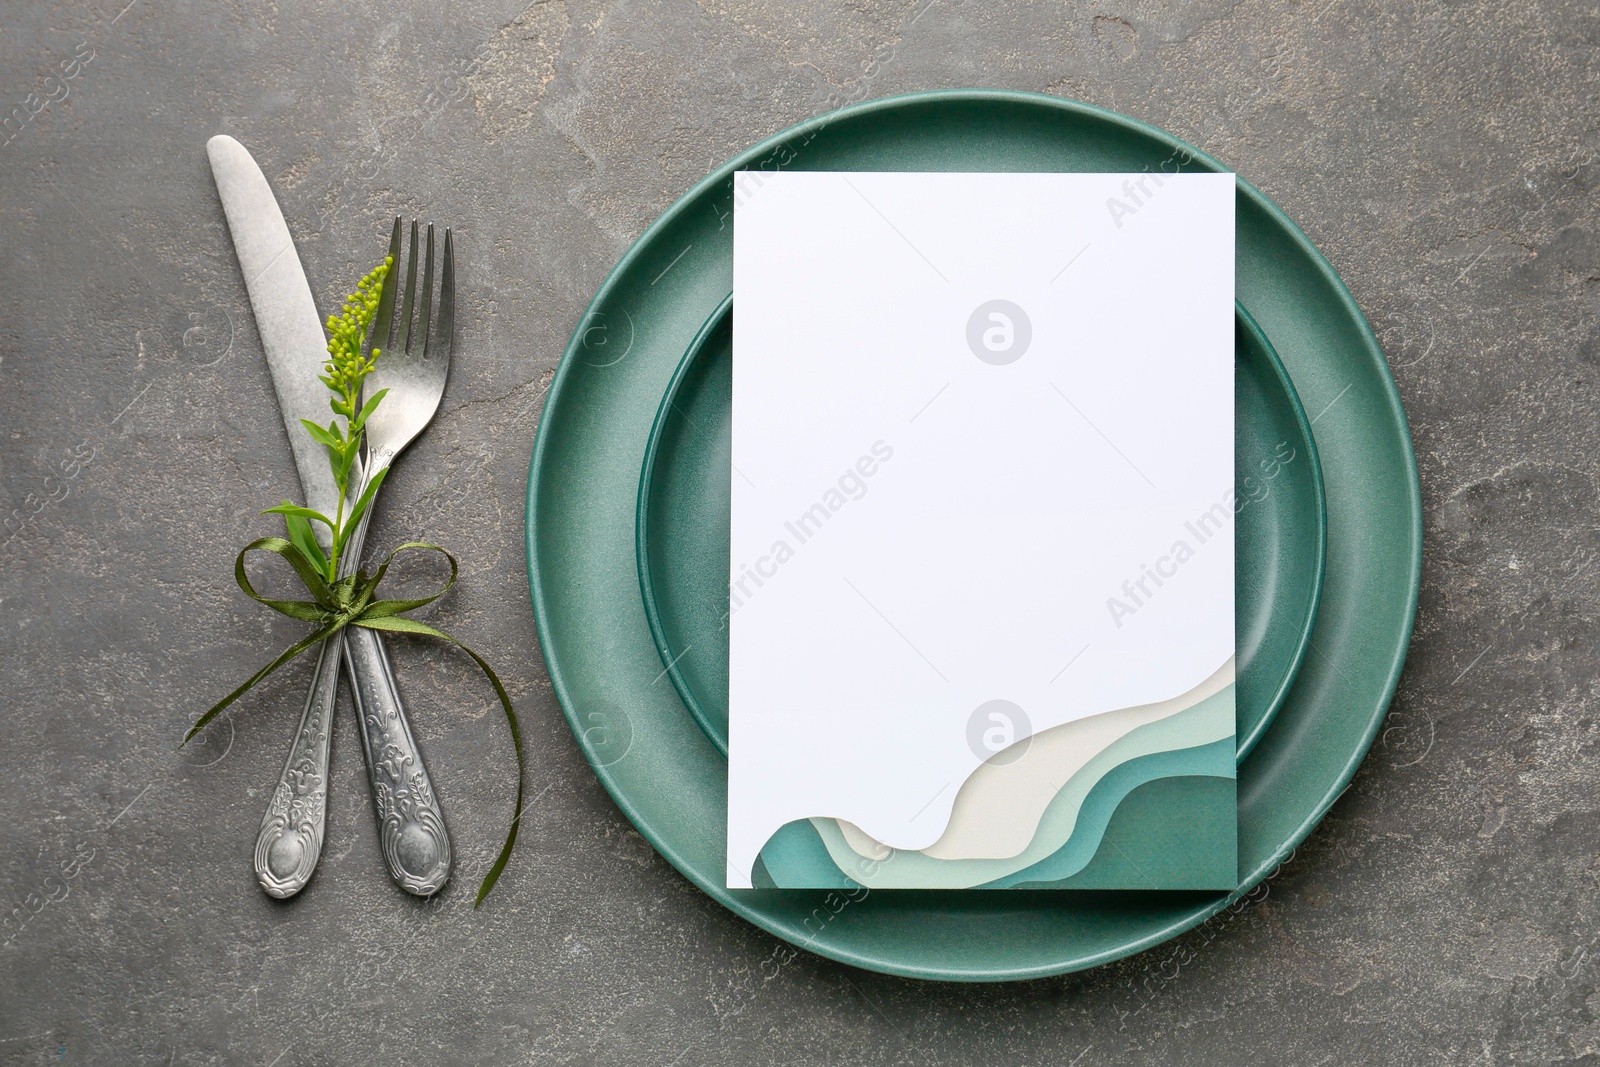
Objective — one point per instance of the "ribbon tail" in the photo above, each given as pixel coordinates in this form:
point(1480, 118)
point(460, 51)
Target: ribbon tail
point(216, 709)
point(412, 626)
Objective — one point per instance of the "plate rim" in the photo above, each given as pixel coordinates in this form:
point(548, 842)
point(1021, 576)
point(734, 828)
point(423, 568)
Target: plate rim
point(1391, 402)
point(652, 612)
point(1303, 643)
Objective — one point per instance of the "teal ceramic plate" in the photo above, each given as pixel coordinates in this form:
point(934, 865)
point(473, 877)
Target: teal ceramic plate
point(683, 527)
point(650, 753)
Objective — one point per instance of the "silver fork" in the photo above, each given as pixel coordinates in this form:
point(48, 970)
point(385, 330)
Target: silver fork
point(411, 828)
point(413, 368)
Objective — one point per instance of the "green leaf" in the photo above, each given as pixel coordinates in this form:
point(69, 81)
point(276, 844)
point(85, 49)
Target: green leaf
point(304, 541)
point(367, 410)
point(343, 463)
point(361, 504)
point(321, 435)
point(287, 508)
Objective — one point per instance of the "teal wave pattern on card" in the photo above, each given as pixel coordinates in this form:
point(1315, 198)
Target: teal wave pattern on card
point(998, 807)
point(1176, 827)
point(1146, 844)
point(1201, 857)
point(1209, 721)
point(912, 870)
point(795, 857)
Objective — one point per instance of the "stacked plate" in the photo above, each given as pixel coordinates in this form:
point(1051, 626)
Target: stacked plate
point(628, 505)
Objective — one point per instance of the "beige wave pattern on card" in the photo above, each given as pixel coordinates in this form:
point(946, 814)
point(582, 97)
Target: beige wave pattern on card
point(998, 809)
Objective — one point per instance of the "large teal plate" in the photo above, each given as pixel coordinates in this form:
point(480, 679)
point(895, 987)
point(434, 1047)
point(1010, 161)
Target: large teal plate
point(685, 507)
point(667, 776)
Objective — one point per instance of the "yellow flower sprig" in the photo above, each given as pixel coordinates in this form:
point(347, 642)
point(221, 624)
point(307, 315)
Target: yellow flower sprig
point(347, 367)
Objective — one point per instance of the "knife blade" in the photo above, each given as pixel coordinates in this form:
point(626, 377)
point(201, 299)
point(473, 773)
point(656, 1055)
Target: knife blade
point(286, 314)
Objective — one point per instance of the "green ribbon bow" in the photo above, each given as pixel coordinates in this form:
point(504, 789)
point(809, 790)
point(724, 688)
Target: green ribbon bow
point(349, 602)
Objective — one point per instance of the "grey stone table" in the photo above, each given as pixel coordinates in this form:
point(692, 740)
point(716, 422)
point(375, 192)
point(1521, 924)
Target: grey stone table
point(1445, 156)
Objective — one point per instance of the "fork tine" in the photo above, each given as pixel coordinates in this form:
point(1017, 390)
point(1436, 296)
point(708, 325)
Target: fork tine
point(444, 333)
point(427, 296)
point(402, 340)
point(383, 321)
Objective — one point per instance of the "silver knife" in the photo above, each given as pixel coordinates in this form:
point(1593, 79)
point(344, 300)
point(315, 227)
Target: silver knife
point(290, 840)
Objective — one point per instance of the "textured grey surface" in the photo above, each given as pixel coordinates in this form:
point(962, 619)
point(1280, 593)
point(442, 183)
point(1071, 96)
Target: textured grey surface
point(1444, 156)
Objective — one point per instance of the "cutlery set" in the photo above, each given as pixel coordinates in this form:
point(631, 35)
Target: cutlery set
point(415, 349)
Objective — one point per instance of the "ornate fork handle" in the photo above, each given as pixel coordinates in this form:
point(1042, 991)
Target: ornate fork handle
point(411, 827)
point(411, 831)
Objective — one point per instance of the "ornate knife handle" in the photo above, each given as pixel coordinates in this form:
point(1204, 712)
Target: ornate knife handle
point(290, 840)
point(411, 827)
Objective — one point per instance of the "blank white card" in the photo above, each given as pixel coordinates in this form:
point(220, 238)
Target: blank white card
point(974, 418)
